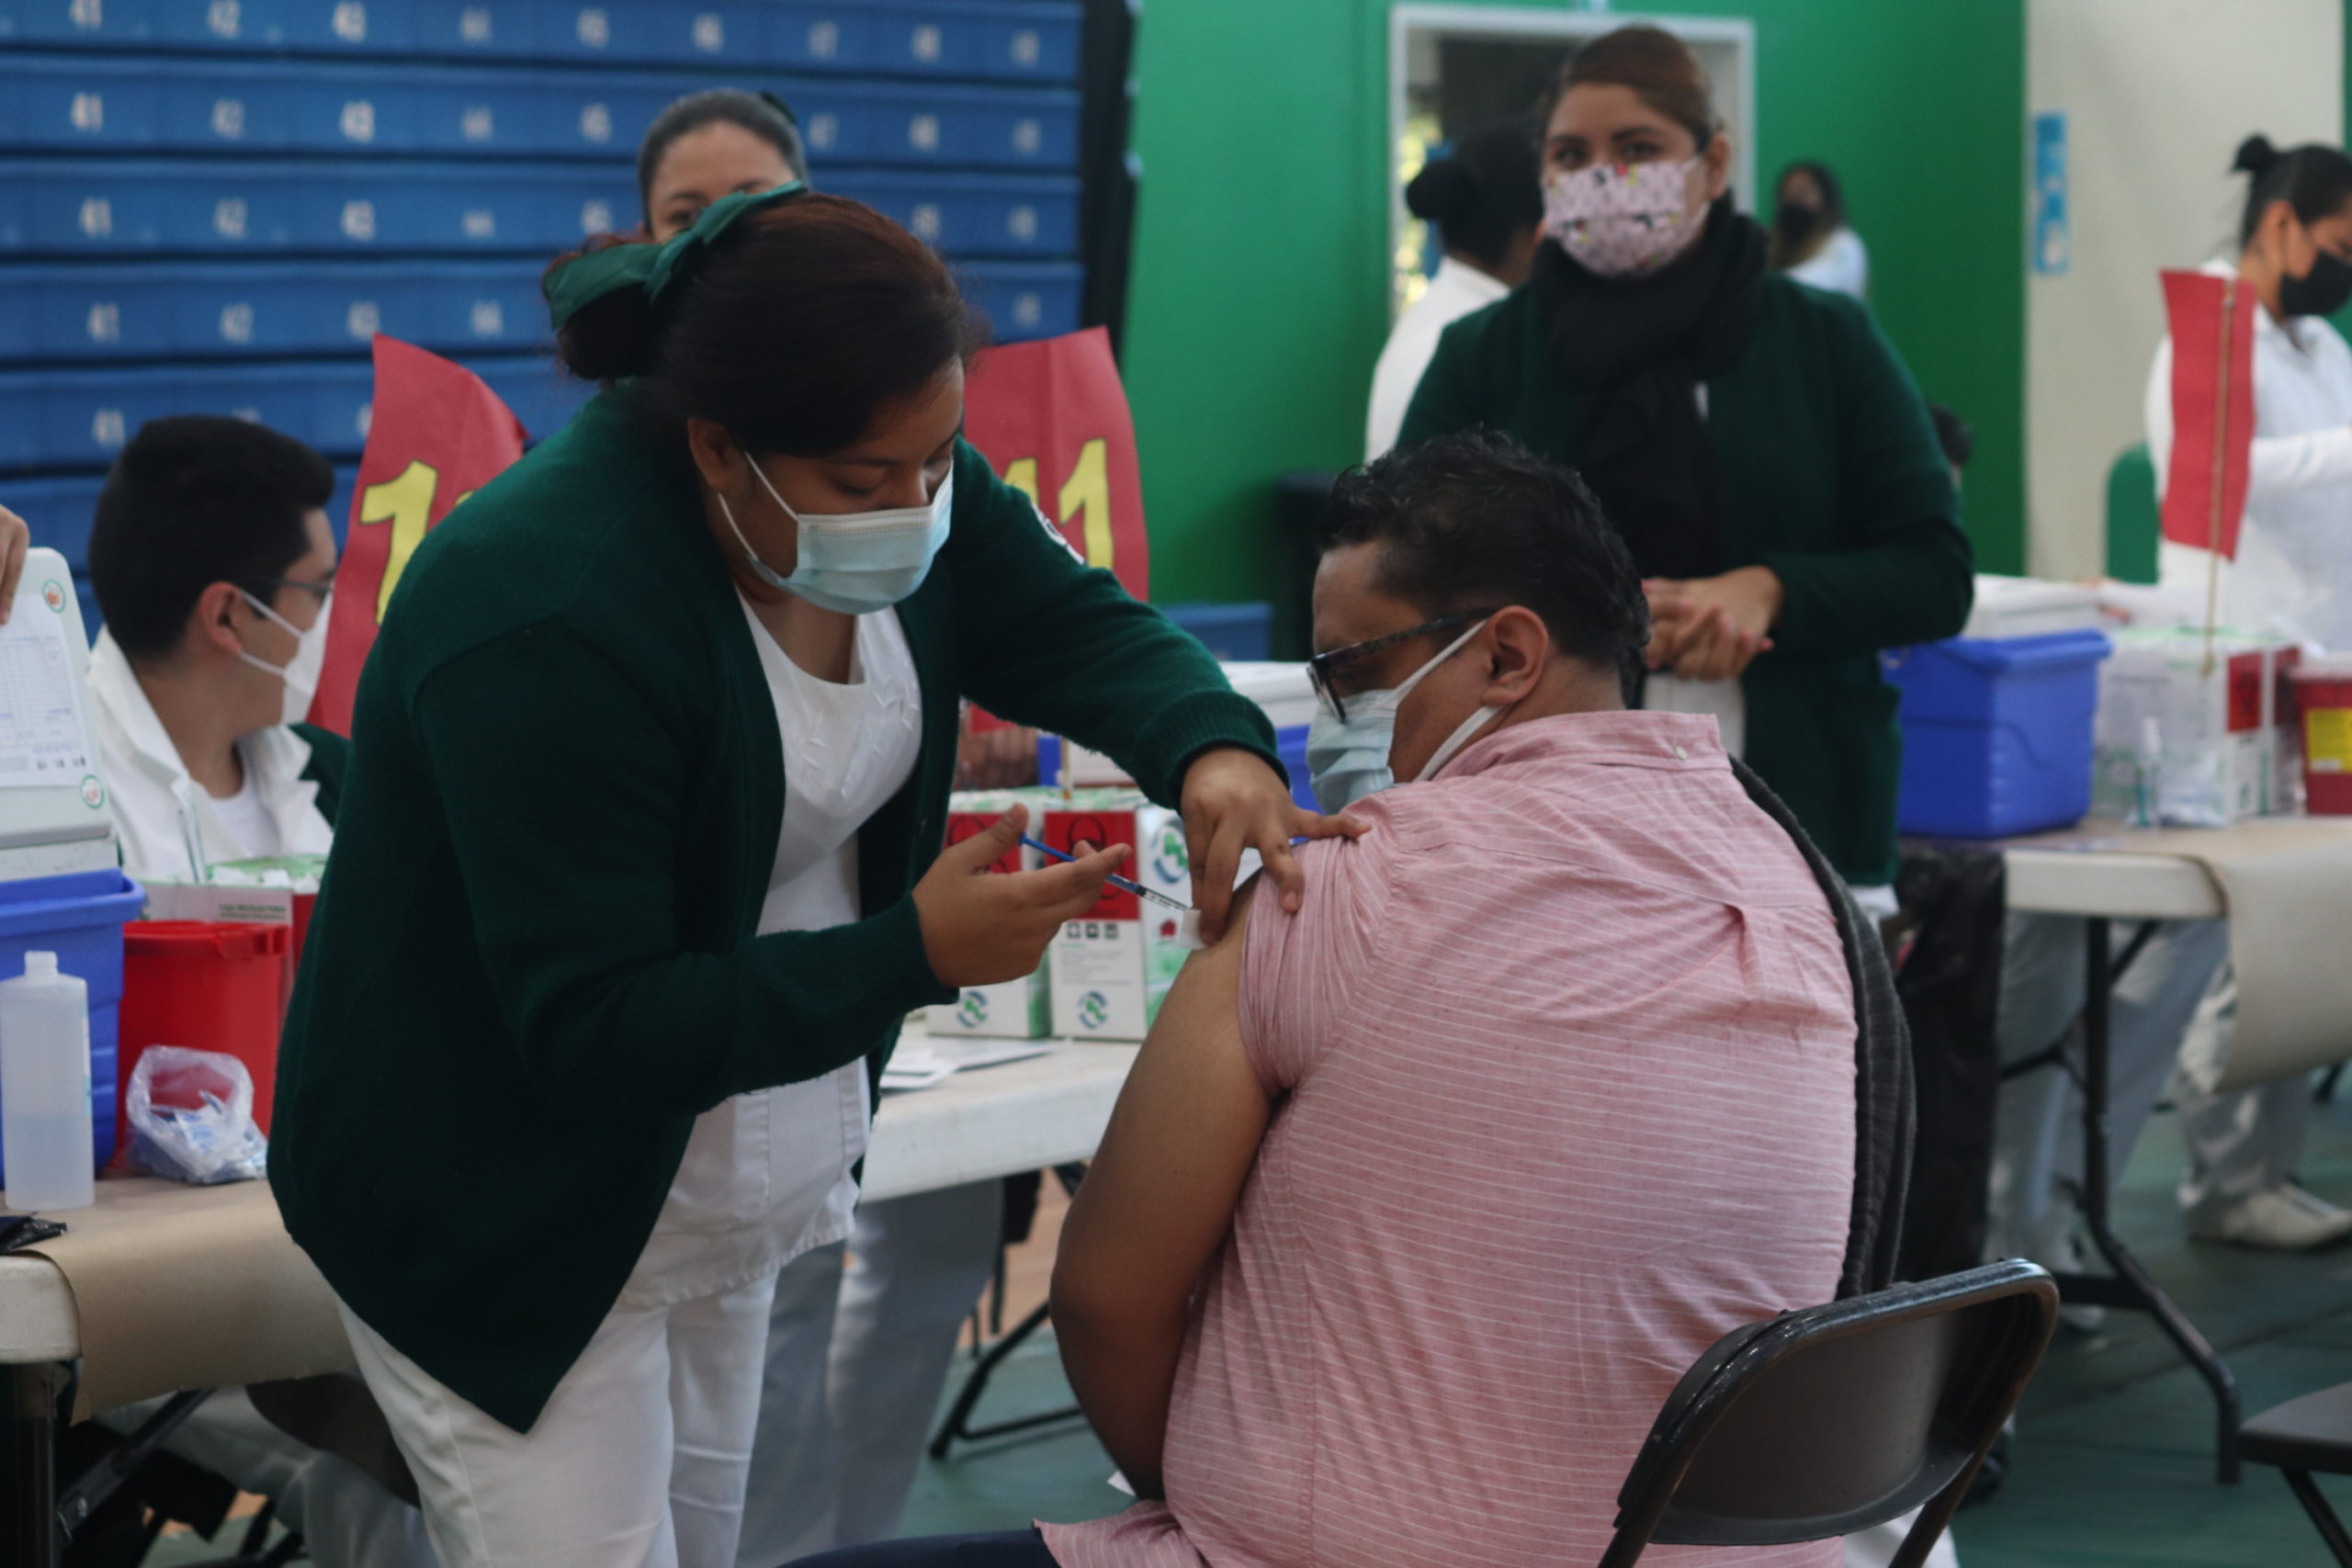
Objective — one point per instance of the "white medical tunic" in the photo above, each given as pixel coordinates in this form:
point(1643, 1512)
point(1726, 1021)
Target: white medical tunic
point(766, 1174)
point(1842, 265)
point(1456, 289)
point(2293, 573)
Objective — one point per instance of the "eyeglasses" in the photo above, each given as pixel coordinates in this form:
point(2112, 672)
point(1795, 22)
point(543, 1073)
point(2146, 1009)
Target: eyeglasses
point(1324, 670)
point(321, 589)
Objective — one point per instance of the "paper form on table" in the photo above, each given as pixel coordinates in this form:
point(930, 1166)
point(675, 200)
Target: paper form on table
point(918, 1065)
point(42, 742)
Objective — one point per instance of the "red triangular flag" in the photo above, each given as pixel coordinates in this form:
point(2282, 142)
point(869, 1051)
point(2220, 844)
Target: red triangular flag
point(435, 436)
point(2212, 409)
point(1051, 417)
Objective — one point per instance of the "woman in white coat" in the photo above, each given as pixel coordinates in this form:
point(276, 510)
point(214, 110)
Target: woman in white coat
point(1487, 203)
point(1812, 242)
point(2293, 573)
point(2292, 578)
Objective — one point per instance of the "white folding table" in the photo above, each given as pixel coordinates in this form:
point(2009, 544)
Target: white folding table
point(2105, 872)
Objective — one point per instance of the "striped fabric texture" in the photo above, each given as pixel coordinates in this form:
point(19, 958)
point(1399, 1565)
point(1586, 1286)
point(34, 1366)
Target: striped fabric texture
point(1565, 1048)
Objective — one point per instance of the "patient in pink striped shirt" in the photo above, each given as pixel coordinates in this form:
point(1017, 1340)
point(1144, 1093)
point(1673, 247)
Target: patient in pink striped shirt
point(1421, 1198)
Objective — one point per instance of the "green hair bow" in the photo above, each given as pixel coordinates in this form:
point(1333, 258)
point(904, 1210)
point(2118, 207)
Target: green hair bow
point(653, 268)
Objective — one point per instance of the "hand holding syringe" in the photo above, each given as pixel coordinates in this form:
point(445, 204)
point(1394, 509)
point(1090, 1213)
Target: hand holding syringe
point(1188, 929)
point(1126, 883)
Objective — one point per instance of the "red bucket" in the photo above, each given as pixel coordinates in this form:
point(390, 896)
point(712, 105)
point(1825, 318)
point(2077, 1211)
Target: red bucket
point(209, 985)
point(2323, 692)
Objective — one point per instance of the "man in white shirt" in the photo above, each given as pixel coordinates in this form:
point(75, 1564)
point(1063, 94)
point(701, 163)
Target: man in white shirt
point(212, 561)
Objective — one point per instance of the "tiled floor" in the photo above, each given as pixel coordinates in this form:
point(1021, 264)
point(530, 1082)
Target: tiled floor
point(2113, 1461)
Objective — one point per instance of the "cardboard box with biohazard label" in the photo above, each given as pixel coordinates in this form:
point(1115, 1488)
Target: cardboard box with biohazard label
point(1110, 968)
point(1014, 1010)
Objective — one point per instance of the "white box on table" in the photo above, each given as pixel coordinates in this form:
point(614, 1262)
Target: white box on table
point(1110, 968)
point(2220, 737)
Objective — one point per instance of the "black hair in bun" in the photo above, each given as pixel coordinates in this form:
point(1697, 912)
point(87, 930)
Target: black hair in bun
point(1485, 193)
point(2314, 179)
point(1442, 193)
point(2256, 156)
point(795, 328)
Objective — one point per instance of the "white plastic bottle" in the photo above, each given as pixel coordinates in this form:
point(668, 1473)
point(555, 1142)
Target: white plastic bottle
point(45, 1089)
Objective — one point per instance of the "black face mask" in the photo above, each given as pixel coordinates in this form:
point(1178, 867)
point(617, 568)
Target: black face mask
point(2321, 291)
point(1796, 221)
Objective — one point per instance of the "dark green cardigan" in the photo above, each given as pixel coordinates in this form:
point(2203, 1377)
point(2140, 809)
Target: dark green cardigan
point(533, 962)
point(1832, 478)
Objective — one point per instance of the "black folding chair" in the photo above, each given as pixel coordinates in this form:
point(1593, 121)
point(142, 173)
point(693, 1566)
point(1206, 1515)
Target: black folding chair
point(1829, 1420)
point(2314, 1433)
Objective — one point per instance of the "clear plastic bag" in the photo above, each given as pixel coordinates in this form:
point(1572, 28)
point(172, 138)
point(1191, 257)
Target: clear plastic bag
point(191, 1115)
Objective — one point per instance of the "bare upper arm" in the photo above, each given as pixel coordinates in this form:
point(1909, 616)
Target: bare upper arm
point(1159, 1196)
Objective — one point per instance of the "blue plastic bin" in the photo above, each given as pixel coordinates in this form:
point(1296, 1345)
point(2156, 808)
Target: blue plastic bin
point(79, 917)
point(1234, 632)
point(1996, 732)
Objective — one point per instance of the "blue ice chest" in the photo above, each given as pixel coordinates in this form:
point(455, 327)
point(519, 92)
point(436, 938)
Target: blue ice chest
point(1996, 732)
point(79, 916)
point(1230, 632)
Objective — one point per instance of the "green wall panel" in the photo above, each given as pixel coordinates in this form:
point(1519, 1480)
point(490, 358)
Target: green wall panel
point(1259, 297)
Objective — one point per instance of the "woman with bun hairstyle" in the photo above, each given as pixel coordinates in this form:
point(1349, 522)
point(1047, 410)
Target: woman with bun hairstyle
point(860, 1332)
point(1489, 215)
point(2293, 572)
point(639, 866)
point(1765, 454)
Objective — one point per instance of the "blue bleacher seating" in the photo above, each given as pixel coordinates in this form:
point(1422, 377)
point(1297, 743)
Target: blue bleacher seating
point(82, 207)
point(212, 206)
point(122, 312)
point(957, 38)
point(84, 415)
point(140, 104)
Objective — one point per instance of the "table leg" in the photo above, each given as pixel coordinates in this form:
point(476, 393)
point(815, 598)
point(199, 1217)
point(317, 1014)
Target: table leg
point(957, 1423)
point(2130, 1285)
point(28, 1527)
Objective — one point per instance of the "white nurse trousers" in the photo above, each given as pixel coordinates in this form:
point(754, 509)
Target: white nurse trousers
point(638, 1460)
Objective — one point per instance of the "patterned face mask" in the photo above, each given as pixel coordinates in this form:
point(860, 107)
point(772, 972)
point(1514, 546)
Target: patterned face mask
point(1623, 221)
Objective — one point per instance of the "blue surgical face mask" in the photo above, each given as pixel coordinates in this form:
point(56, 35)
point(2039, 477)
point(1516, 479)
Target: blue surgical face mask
point(1348, 758)
point(855, 562)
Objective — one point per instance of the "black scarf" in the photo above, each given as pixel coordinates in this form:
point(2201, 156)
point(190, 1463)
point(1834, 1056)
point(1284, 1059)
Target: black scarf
point(1639, 350)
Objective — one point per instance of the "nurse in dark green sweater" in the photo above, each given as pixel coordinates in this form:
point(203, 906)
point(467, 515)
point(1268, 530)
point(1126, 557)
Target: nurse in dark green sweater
point(638, 866)
point(1763, 451)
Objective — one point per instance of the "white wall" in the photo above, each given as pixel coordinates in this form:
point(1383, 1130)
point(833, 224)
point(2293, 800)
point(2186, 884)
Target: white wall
point(2157, 94)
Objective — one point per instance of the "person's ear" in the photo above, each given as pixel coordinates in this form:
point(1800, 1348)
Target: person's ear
point(1718, 165)
point(1519, 648)
point(213, 623)
point(2277, 233)
point(720, 462)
